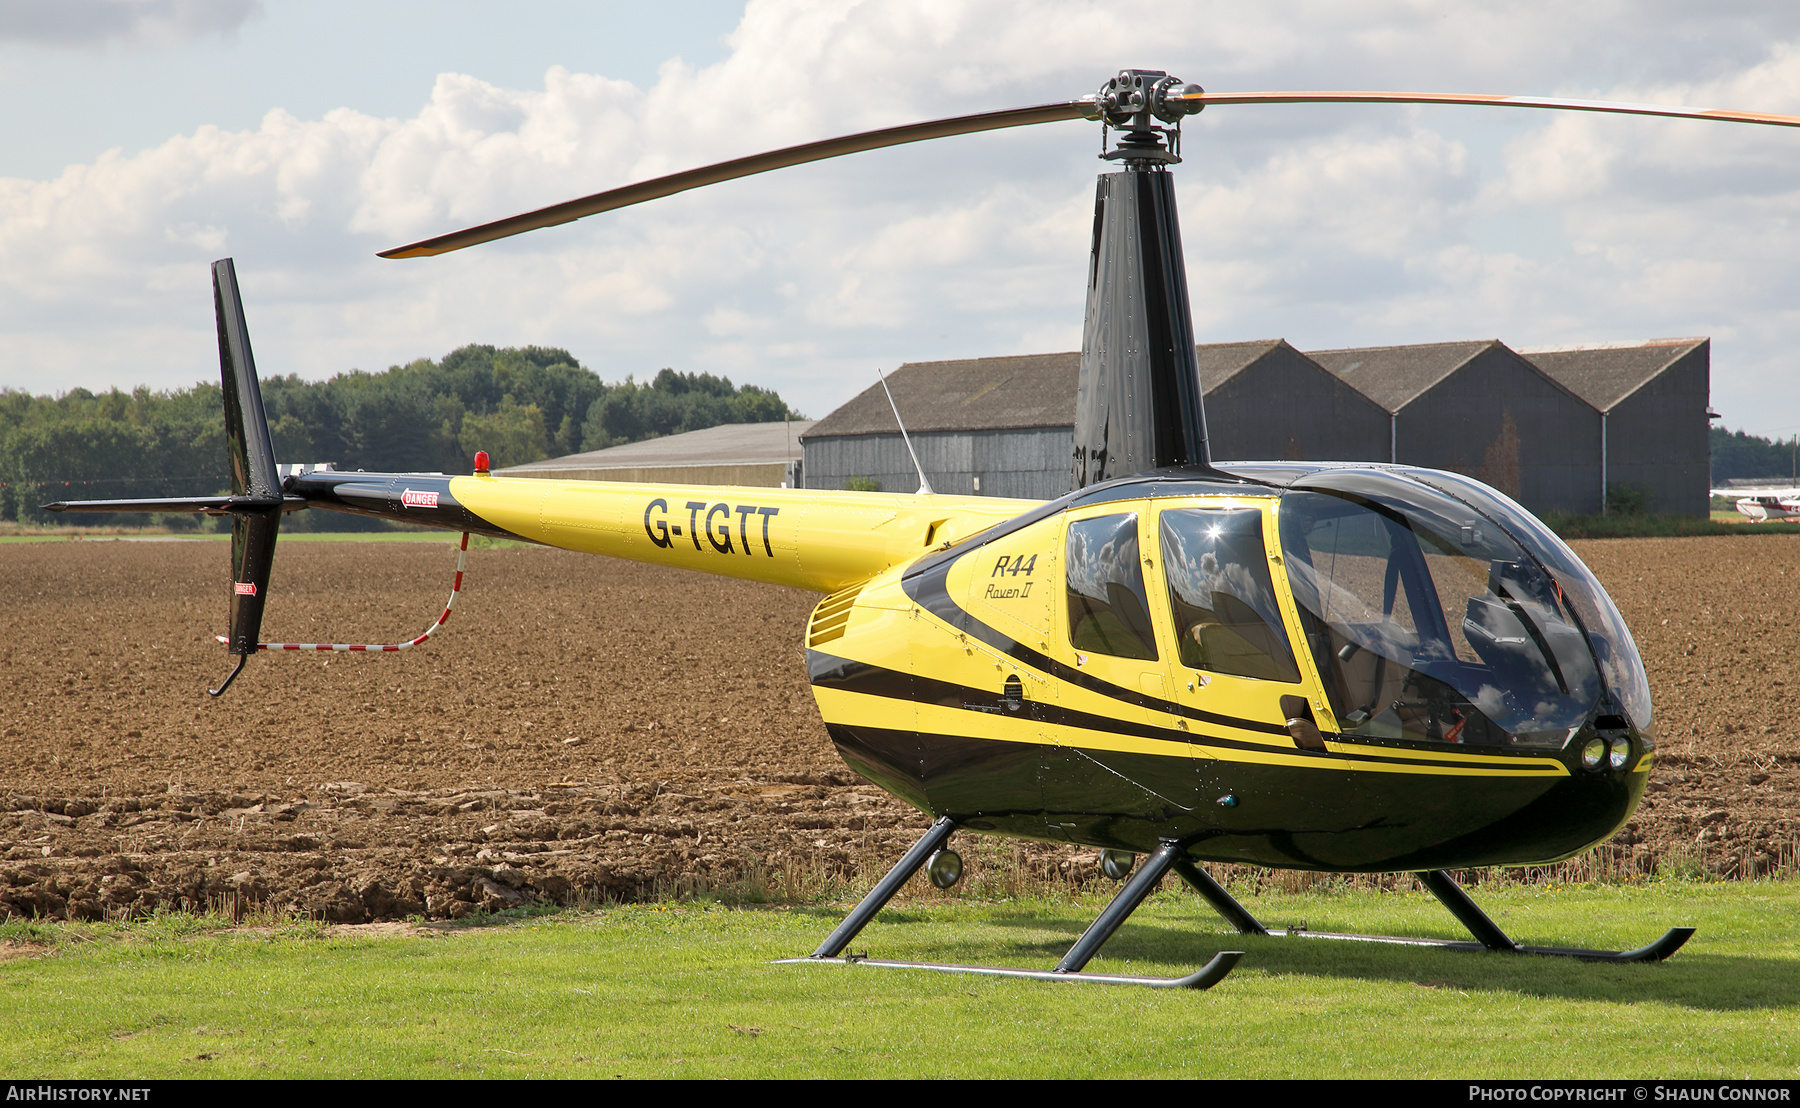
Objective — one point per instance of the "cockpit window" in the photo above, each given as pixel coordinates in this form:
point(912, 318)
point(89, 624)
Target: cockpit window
point(1430, 622)
point(1226, 618)
point(1613, 646)
point(1109, 612)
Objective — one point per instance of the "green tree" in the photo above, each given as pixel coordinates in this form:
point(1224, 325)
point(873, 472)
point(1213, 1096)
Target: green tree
point(518, 403)
point(1740, 456)
point(512, 434)
point(673, 403)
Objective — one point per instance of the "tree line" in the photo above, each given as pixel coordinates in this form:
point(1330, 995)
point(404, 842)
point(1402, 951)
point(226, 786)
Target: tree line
point(1740, 456)
point(519, 404)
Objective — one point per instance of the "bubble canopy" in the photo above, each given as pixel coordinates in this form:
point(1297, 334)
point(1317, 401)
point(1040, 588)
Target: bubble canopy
point(1439, 610)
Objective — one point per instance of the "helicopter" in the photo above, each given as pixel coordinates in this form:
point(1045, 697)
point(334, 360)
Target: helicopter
point(1340, 667)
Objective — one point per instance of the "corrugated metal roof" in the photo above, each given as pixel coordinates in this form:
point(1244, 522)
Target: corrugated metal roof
point(726, 444)
point(1605, 373)
point(1030, 390)
point(1393, 376)
point(1038, 390)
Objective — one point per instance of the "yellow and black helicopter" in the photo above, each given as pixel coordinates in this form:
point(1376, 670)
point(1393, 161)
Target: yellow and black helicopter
point(1319, 666)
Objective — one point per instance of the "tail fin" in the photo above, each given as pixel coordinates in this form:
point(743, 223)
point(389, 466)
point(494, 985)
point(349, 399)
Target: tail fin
point(255, 484)
point(253, 472)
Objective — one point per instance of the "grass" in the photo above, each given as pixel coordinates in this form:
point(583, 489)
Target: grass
point(686, 989)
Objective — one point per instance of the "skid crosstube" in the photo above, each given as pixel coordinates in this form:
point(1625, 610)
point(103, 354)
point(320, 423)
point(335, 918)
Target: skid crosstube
point(1140, 885)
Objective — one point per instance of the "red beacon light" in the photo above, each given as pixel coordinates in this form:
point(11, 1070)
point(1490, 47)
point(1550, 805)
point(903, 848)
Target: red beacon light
point(481, 463)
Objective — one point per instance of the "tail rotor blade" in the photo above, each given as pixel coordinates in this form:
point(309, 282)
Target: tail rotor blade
point(253, 471)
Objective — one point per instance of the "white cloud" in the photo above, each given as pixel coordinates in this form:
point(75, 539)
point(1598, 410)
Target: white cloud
point(1331, 226)
point(97, 22)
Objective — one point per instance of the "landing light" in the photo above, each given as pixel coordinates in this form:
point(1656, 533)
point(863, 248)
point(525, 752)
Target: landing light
point(1593, 753)
point(944, 868)
point(1117, 864)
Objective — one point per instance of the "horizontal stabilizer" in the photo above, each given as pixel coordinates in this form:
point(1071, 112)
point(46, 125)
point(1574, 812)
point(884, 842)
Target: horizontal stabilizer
point(211, 505)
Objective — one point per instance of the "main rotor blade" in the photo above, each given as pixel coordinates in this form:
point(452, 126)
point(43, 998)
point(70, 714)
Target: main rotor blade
point(1207, 99)
point(742, 167)
point(993, 121)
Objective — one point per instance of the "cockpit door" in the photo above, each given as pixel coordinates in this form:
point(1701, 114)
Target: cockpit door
point(1118, 771)
point(1238, 673)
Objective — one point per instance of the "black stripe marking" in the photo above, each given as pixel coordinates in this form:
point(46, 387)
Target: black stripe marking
point(828, 671)
point(927, 584)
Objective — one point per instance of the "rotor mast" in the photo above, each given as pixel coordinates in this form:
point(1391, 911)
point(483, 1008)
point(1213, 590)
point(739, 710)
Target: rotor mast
point(1139, 403)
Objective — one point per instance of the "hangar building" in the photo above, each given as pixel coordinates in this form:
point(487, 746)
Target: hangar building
point(1553, 429)
point(1481, 409)
point(993, 426)
point(1321, 418)
point(1002, 426)
point(1652, 401)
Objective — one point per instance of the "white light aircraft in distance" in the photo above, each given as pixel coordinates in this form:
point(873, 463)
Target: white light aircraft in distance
point(1761, 505)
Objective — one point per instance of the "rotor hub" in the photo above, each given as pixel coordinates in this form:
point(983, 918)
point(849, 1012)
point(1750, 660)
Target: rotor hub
point(1133, 102)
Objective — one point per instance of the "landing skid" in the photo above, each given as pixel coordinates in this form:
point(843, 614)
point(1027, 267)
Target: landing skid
point(1671, 941)
point(1117, 912)
point(1203, 978)
point(1488, 936)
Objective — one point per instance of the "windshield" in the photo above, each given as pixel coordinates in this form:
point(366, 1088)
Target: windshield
point(1613, 645)
point(1429, 621)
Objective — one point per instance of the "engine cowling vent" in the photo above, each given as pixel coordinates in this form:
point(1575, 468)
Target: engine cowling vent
point(831, 616)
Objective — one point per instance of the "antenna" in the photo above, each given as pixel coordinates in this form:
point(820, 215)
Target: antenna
point(924, 485)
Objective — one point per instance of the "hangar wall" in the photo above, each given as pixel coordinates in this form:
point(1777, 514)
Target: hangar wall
point(1029, 463)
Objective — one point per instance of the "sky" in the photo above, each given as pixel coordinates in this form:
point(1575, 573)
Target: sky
point(146, 138)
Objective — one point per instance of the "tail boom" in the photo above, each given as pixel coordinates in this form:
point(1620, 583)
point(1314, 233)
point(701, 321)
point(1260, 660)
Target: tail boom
point(808, 539)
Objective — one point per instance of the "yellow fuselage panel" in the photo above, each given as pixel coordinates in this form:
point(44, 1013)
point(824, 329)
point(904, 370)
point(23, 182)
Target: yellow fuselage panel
point(805, 538)
point(1014, 586)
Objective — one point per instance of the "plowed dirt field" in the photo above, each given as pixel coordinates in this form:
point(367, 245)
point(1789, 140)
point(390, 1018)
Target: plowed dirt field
point(586, 728)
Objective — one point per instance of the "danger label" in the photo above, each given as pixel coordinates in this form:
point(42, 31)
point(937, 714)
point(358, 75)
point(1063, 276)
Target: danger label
point(412, 499)
point(244, 588)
